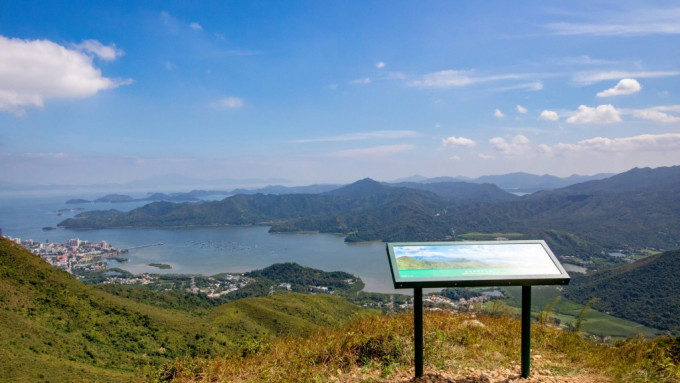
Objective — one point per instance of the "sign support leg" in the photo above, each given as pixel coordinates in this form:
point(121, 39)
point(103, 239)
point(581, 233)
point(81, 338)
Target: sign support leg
point(526, 331)
point(418, 329)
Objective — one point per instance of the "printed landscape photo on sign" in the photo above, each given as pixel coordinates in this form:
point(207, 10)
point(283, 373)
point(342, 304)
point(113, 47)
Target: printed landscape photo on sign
point(474, 264)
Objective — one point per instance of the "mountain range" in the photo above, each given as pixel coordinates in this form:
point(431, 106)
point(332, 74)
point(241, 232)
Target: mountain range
point(636, 209)
point(521, 183)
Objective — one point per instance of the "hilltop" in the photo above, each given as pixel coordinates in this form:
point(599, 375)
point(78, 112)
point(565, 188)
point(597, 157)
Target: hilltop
point(53, 327)
point(461, 348)
point(56, 328)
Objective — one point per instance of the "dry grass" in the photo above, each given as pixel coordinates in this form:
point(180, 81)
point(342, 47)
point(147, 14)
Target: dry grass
point(379, 348)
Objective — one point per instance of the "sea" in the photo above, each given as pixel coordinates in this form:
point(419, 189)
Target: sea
point(205, 250)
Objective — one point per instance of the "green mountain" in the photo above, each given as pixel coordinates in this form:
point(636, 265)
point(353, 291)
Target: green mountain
point(636, 209)
point(53, 327)
point(646, 291)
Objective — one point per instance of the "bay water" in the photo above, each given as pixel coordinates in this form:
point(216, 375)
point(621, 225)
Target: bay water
point(205, 250)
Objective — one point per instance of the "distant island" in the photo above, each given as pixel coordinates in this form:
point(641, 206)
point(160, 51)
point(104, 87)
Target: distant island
point(192, 196)
point(162, 266)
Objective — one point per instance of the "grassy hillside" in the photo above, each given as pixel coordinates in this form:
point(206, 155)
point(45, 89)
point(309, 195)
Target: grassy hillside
point(646, 291)
point(53, 327)
point(465, 347)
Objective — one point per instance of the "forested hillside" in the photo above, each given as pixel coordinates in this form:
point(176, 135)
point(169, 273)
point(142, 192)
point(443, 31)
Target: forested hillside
point(636, 209)
point(647, 291)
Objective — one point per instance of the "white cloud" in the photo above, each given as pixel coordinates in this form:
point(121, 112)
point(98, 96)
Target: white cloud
point(376, 151)
point(655, 115)
point(549, 115)
point(519, 145)
point(366, 80)
point(535, 86)
point(32, 71)
point(457, 78)
point(196, 26)
point(645, 142)
point(587, 78)
point(498, 114)
point(458, 141)
point(485, 156)
point(228, 103)
point(642, 22)
point(380, 65)
point(104, 52)
point(602, 114)
point(625, 86)
point(521, 109)
point(379, 134)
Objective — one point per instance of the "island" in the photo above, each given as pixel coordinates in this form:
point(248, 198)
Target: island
point(163, 266)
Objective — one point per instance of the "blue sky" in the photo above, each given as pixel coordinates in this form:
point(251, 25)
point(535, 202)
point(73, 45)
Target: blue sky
point(308, 92)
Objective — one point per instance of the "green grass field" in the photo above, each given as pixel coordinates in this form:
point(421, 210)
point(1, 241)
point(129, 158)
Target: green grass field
point(593, 322)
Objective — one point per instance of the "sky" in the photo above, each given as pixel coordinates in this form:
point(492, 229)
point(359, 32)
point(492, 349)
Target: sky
point(304, 92)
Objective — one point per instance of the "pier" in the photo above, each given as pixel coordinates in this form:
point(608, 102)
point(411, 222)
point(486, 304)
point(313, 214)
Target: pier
point(143, 246)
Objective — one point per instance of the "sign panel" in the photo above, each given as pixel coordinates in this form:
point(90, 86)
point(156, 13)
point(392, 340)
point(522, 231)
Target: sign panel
point(452, 264)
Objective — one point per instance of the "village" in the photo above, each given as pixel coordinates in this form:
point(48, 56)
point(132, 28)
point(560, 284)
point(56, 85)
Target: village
point(75, 254)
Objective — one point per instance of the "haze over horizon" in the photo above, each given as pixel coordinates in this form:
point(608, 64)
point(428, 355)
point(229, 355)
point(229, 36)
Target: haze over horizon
point(313, 92)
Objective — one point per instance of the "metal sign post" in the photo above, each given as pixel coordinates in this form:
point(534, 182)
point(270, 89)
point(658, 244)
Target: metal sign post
point(418, 329)
point(419, 265)
point(526, 331)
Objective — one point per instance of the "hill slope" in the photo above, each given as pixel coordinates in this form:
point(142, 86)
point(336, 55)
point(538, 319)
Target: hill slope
point(463, 347)
point(647, 291)
point(53, 327)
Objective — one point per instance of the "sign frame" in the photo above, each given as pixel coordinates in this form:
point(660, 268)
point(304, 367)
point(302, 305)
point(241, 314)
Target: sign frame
point(560, 278)
point(483, 278)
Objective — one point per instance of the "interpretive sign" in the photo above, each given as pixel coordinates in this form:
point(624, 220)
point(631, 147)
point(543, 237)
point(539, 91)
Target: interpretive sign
point(419, 265)
point(458, 264)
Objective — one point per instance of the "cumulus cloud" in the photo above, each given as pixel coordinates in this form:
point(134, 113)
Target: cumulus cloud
point(458, 141)
point(521, 109)
point(228, 103)
point(549, 115)
point(104, 52)
point(517, 146)
point(602, 114)
point(32, 71)
point(196, 26)
point(655, 115)
point(380, 65)
point(498, 114)
point(625, 86)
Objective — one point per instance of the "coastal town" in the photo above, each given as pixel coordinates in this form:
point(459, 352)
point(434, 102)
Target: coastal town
point(83, 259)
point(74, 254)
